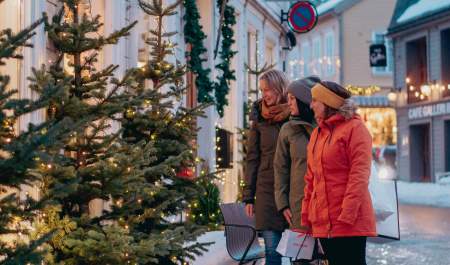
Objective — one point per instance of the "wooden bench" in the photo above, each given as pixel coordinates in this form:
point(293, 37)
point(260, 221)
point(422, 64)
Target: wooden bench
point(240, 234)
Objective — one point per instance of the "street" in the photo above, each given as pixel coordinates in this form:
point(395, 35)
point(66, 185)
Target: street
point(425, 240)
point(425, 237)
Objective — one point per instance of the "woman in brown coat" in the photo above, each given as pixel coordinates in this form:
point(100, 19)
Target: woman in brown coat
point(267, 117)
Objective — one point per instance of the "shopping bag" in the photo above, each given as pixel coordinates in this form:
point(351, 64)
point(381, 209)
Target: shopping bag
point(296, 245)
point(385, 203)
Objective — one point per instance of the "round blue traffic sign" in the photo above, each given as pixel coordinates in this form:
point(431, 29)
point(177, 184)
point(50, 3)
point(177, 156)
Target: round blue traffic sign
point(302, 17)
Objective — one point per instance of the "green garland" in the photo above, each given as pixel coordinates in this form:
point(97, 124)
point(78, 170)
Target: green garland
point(194, 35)
point(222, 88)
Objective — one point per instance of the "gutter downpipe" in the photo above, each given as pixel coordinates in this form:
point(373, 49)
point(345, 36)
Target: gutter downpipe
point(341, 48)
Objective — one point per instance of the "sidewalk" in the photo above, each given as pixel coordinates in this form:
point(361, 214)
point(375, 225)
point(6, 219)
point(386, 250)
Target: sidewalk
point(217, 253)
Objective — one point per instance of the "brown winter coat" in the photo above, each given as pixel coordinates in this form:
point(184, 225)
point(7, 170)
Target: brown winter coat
point(337, 202)
point(290, 167)
point(259, 175)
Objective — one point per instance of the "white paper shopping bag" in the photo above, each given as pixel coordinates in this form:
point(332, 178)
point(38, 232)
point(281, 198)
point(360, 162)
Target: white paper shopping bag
point(296, 245)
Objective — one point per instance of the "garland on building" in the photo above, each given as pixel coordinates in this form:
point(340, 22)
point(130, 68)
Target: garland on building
point(221, 87)
point(194, 36)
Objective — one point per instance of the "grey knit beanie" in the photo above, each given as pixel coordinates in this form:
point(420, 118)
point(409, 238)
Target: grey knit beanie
point(301, 88)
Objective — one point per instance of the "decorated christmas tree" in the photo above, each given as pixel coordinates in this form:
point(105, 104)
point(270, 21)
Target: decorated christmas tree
point(162, 215)
point(19, 151)
point(87, 170)
point(204, 209)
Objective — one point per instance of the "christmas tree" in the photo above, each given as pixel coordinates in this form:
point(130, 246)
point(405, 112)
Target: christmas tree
point(162, 121)
point(86, 170)
point(19, 151)
point(204, 209)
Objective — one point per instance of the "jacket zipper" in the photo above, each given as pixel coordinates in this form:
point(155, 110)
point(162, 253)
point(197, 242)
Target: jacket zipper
point(326, 191)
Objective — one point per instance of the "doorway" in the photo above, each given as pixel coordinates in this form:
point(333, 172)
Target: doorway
point(447, 145)
point(420, 153)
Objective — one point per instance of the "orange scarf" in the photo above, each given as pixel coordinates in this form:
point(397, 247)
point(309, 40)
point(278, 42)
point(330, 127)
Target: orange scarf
point(276, 113)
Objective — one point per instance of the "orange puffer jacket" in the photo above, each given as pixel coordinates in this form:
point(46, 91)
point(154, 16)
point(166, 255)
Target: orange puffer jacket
point(337, 202)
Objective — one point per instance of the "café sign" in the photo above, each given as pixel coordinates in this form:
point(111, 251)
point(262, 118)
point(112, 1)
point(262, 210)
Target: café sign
point(429, 111)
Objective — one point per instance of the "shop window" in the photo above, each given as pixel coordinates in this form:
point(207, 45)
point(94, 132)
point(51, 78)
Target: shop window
point(445, 57)
point(224, 148)
point(417, 71)
point(382, 125)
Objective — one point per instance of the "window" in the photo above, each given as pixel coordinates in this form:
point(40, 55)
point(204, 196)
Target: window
point(317, 57)
point(252, 59)
point(329, 54)
point(445, 57)
point(306, 58)
point(417, 70)
point(269, 53)
point(380, 38)
point(295, 69)
point(224, 151)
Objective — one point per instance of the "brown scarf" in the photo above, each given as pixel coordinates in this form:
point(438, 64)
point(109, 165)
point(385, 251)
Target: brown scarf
point(276, 113)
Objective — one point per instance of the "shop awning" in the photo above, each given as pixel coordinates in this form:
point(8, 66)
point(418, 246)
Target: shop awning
point(372, 101)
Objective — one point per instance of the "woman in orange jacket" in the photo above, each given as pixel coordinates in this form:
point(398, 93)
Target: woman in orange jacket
point(337, 205)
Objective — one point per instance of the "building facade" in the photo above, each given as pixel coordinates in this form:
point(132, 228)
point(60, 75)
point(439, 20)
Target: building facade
point(420, 31)
point(337, 49)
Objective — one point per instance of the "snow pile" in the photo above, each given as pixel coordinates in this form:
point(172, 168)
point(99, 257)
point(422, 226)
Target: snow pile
point(430, 194)
point(322, 8)
point(422, 8)
point(444, 181)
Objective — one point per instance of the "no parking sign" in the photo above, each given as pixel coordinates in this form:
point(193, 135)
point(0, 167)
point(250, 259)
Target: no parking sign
point(302, 17)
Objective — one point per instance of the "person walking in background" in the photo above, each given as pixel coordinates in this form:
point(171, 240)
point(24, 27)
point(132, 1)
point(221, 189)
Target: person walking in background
point(267, 117)
point(290, 155)
point(337, 204)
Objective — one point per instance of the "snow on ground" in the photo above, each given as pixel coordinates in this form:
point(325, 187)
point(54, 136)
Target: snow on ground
point(421, 8)
point(425, 233)
point(217, 253)
point(430, 194)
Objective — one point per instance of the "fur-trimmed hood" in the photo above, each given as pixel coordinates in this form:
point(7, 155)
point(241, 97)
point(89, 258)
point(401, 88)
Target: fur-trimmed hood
point(348, 109)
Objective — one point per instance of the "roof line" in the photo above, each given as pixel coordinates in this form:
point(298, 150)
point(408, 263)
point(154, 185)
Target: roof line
point(397, 29)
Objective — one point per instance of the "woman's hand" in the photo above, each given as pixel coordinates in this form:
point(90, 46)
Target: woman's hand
point(288, 216)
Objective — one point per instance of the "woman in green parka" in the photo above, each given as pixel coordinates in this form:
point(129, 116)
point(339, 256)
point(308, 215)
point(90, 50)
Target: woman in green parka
point(290, 155)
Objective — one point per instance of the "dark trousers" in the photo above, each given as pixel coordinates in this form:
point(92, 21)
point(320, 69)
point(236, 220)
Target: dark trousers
point(345, 250)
